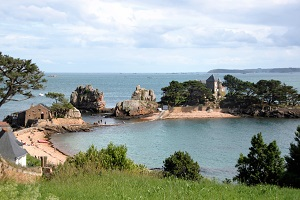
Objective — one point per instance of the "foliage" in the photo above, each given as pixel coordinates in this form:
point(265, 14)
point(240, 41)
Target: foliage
point(32, 161)
point(292, 175)
point(17, 78)
point(93, 161)
point(182, 166)
point(263, 165)
point(61, 105)
point(244, 93)
point(186, 93)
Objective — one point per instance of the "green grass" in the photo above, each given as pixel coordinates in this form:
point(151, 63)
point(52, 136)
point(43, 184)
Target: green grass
point(126, 185)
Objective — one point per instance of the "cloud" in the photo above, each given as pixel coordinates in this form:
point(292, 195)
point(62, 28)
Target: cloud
point(163, 34)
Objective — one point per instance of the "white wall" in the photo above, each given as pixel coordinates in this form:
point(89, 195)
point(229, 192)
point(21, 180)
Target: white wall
point(21, 161)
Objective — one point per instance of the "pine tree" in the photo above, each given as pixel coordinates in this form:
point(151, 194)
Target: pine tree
point(17, 78)
point(263, 164)
point(292, 176)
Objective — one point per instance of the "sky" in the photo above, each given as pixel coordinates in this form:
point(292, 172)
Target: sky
point(134, 36)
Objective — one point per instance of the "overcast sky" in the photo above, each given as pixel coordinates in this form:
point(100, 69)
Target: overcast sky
point(151, 35)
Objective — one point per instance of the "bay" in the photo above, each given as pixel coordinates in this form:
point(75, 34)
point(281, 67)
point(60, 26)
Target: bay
point(214, 143)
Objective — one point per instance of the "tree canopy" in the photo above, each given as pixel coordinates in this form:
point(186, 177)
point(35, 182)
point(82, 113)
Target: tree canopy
point(191, 92)
point(17, 78)
point(244, 93)
point(262, 165)
point(292, 176)
point(61, 105)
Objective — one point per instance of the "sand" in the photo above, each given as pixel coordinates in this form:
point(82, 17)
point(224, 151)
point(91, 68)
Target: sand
point(30, 137)
point(189, 115)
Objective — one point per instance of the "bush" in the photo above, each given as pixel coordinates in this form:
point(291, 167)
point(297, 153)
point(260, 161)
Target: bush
point(32, 161)
point(263, 164)
point(182, 166)
point(93, 161)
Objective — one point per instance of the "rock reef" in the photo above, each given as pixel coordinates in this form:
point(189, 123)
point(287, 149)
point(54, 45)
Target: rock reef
point(87, 98)
point(142, 103)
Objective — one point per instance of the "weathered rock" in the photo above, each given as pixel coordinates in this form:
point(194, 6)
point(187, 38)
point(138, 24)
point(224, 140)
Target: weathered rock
point(88, 98)
point(142, 103)
point(73, 113)
point(135, 108)
point(143, 94)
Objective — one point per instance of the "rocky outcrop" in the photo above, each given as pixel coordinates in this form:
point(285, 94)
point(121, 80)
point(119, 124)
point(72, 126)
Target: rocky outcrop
point(267, 111)
point(142, 103)
point(143, 94)
point(135, 108)
point(87, 98)
point(73, 113)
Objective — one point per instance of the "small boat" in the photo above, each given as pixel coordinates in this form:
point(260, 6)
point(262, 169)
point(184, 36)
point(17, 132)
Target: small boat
point(41, 94)
point(42, 141)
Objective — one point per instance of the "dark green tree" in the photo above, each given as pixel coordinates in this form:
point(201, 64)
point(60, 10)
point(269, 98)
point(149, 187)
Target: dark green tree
point(186, 93)
point(61, 105)
point(182, 166)
point(263, 164)
point(269, 90)
point(292, 175)
point(175, 94)
point(197, 93)
point(17, 78)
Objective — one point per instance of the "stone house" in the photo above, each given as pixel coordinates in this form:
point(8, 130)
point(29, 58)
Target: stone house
point(10, 148)
point(34, 113)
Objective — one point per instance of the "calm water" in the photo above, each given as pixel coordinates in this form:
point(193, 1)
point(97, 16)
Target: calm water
point(214, 143)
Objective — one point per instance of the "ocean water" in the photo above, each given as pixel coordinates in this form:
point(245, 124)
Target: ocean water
point(214, 143)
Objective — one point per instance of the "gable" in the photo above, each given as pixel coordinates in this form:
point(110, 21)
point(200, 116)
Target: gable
point(9, 149)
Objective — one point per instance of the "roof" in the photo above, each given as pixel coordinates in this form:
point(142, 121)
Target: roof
point(9, 148)
point(212, 79)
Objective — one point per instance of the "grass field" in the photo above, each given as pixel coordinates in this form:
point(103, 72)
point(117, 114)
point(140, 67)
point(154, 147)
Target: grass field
point(126, 185)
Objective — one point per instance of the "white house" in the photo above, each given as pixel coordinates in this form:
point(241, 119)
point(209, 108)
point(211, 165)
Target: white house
point(10, 148)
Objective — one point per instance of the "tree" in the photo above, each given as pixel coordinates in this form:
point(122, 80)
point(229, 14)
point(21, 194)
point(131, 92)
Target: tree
point(292, 175)
point(17, 78)
point(186, 93)
point(263, 165)
point(197, 92)
point(175, 94)
point(181, 165)
point(61, 105)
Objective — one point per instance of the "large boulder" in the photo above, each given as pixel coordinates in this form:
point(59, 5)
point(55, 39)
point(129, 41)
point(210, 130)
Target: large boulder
point(143, 94)
point(142, 103)
point(87, 98)
point(135, 108)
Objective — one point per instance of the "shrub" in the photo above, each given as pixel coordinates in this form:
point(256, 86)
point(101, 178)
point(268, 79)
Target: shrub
point(32, 161)
point(263, 164)
point(182, 166)
point(93, 161)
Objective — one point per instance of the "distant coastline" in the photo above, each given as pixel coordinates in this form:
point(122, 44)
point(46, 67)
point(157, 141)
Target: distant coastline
point(258, 70)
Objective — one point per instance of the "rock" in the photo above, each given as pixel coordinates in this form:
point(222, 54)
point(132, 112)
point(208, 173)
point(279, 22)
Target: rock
point(135, 108)
point(143, 94)
point(142, 103)
point(87, 98)
point(73, 113)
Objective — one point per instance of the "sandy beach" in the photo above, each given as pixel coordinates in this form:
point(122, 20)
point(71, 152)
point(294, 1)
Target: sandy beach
point(189, 115)
point(30, 138)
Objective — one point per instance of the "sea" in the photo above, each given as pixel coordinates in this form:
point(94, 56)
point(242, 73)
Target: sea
point(215, 144)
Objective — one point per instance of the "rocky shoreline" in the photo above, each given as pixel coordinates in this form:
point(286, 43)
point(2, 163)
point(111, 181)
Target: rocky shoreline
point(266, 112)
point(31, 136)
